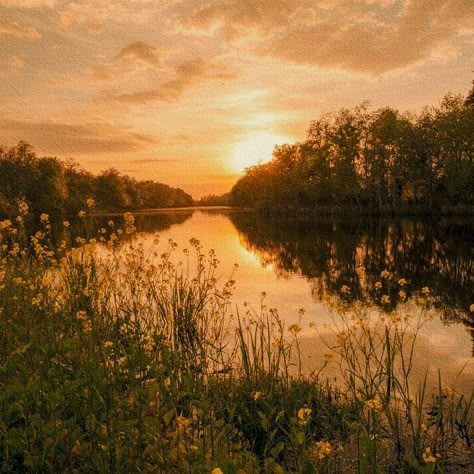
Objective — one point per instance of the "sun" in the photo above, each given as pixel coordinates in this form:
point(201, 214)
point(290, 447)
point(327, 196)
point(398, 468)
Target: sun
point(254, 149)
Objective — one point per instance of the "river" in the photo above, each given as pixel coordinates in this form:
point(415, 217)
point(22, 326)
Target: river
point(310, 263)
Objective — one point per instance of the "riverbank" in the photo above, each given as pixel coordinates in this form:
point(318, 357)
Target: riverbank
point(120, 362)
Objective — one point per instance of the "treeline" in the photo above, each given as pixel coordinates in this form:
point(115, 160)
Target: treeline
point(375, 161)
point(52, 186)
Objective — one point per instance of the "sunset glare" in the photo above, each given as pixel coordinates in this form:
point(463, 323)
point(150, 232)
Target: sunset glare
point(254, 149)
point(190, 93)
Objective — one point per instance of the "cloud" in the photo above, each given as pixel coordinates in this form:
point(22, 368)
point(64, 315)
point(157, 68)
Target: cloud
point(369, 36)
point(145, 161)
point(369, 46)
point(142, 52)
point(30, 3)
point(8, 27)
point(16, 62)
point(187, 74)
point(53, 137)
point(236, 17)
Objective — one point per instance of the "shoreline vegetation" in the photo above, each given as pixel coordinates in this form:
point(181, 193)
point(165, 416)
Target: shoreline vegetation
point(115, 358)
point(370, 162)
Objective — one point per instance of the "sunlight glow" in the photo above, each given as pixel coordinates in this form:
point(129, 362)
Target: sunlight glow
point(254, 149)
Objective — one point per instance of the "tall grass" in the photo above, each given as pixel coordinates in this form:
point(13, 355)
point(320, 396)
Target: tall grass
point(117, 359)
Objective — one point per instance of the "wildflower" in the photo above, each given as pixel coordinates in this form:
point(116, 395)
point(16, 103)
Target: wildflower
point(36, 301)
point(402, 282)
point(23, 208)
point(257, 395)
point(425, 290)
point(19, 219)
point(81, 315)
point(448, 390)
point(373, 404)
point(471, 308)
point(87, 326)
point(428, 456)
point(129, 223)
point(111, 223)
point(66, 224)
point(108, 344)
point(329, 356)
point(323, 449)
point(44, 217)
point(385, 299)
point(424, 428)
point(149, 346)
point(7, 223)
point(304, 414)
point(217, 470)
point(385, 274)
point(90, 202)
point(421, 300)
point(345, 289)
point(183, 422)
point(378, 285)
point(294, 329)
point(402, 295)
point(81, 214)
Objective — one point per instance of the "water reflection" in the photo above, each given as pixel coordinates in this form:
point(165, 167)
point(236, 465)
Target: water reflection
point(334, 254)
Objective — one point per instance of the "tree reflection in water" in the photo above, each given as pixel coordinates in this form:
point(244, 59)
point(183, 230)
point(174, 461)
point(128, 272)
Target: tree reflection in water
point(338, 253)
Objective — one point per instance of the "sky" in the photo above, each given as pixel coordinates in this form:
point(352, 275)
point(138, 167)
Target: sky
point(191, 92)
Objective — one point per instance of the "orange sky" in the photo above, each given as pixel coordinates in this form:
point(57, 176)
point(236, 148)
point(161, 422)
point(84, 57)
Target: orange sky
point(190, 92)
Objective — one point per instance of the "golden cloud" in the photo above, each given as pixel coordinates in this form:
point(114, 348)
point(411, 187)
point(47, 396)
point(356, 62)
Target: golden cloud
point(370, 36)
point(142, 52)
point(53, 137)
point(9, 27)
point(187, 73)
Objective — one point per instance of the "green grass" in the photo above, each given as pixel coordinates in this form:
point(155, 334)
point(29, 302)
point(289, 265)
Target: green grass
point(115, 359)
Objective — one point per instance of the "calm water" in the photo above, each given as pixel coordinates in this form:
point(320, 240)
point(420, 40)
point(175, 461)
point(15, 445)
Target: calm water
point(301, 263)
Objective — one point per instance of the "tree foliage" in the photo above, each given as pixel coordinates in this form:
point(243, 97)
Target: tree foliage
point(379, 161)
point(55, 187)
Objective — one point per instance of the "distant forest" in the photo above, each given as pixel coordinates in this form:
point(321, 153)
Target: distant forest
point(380, 161)
point(61, 188)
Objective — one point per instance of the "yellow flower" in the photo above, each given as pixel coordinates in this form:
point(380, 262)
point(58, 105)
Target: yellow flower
point(385, 299)
point(257, 395)
point(304, 415)
point(402, 282)
point(5, 224)
point(402, 295)
point(108, 344)
point(323, 449)
point(81, 315)
point(294, 329)
point(90, 202)
point(345, 289)
point(44, 217)
point(81, 214)
point(385, 274)
point(217, 470)
point(23, 208)
point(425, 290)
point(66, 224)
point(428, 456)
point(36, 301)
point(329, 356)
point(373, 404)
point(378, 285)
point(471, 308)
